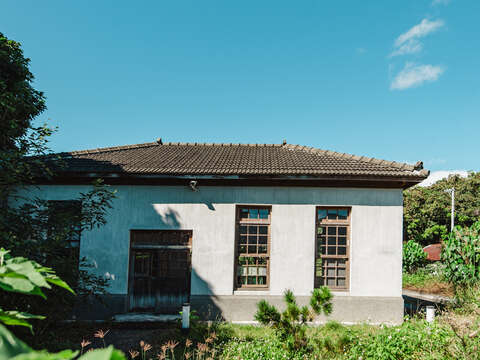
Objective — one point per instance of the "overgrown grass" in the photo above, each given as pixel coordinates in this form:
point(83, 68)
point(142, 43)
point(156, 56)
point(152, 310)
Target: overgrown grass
point(455, 334)
point(428, 279)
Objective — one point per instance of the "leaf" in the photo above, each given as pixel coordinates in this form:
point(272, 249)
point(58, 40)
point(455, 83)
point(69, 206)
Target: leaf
point(43, 355)
point(10, 346)
point(109, 353)
point(17, 318)
point(55, 280)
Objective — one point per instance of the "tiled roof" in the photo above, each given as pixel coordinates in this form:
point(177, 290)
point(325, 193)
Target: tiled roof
point(233, 159)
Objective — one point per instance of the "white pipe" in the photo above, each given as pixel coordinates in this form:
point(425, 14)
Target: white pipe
point(186, 316)
point(430, 314)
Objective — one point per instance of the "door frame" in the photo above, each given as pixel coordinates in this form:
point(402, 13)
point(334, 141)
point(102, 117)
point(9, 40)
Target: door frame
point(131, 248)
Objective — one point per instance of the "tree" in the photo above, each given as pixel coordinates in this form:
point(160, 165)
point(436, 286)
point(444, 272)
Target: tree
point(427, 209)
point(291, 323)
point(30, 227)
point(20, 104)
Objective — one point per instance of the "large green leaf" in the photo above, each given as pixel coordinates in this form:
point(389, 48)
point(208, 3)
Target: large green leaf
point(43, 355)
point(10, 346)
point(55, 280)
point(17, 318)
point(109, 353)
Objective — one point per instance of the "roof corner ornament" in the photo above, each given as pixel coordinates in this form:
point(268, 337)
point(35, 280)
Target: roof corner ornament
point(418, 165)
point(159, 141)
point(284, 142)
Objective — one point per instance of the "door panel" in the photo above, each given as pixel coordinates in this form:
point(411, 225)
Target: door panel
point(159, 272)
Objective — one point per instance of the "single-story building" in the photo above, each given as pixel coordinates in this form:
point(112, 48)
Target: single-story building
point(223, 226)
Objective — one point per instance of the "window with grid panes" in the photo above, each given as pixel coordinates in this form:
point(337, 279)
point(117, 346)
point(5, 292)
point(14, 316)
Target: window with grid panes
point(253, 247)
point(332, 248)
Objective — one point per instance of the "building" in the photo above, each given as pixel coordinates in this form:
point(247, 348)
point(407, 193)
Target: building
point(223, 226)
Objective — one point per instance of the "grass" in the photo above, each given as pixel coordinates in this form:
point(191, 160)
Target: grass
point(427, 280)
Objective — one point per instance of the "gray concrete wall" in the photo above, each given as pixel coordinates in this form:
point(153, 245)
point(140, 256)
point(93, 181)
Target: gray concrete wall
point(376, 234)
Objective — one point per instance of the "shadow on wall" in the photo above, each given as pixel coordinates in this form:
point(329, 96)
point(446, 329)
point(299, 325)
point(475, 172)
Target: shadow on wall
point(105, 306)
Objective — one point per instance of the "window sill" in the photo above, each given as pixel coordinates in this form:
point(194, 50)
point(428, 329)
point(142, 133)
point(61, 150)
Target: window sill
point(251, 292)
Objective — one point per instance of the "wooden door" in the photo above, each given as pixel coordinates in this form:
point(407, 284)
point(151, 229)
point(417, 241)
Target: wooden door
point(160, 270)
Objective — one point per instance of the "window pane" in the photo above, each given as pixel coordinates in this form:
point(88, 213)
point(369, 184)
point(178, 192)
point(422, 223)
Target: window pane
point(342, 214)
point(242, 260)
point(342, 250)
point(323, 250)
point(262, 271)
point(263, 230)
point(342, 240)
point(342, 230)
point(262, 239)
point(321, 230)
point(243, 229)
point(332, 230)
point(340, 282)
point(330, 282)
point(330, 272)
point(263, 213)
point(261, 261)
point(332, 240)
point(322, 214)
point(252, 240)
point(244, 213)
point(262, 280)
point(242, 249)
point(342, 272)
point(243, 239)
point(252, 249)
point(252, 270)
point(242, 270)
point(252, 229)
point(262, 249)
point(252, 280)
point(331, 250)
point(253, 214)
point(332, 214)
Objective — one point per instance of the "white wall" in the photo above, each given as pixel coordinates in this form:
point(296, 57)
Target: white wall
point(376, 233)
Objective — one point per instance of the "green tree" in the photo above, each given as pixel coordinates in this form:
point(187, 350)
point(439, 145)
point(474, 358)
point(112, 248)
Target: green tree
point(427, 209)
point(291, 323)
point(28, 226)
point(20, 104)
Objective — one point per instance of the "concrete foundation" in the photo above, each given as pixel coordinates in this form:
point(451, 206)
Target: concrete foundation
point(346, 309)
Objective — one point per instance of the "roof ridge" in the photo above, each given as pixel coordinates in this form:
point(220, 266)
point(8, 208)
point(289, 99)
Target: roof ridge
point(110, 149)
point(142, 145)
point(311, 149)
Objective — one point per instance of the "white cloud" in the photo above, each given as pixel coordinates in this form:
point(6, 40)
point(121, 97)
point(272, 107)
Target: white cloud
point(440, 2)
point(443, 174)
point(409, 43)
point(415, 75)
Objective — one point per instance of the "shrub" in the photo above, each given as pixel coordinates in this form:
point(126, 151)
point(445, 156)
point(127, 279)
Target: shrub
point(413, 256)
point(290, 325)
point(461, 255)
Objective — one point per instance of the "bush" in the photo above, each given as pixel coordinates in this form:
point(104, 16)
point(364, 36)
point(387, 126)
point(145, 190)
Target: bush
point(413, 256)
point(291, 324)
point(461, 255)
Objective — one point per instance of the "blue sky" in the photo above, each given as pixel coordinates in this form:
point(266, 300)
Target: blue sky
point(398, 80)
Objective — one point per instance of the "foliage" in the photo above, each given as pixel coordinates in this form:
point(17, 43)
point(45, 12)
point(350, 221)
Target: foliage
point(429, 279)
point(413, 256)
point(291, 323)
point(35, 230)
point(461, 255)
point(427, 209)
point(20, 275)
point(20, 103)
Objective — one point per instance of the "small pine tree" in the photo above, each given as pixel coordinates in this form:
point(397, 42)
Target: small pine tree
point(291, 324)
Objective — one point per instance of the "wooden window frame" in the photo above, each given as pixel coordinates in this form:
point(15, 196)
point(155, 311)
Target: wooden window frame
point(333, 222)
point(245, 222)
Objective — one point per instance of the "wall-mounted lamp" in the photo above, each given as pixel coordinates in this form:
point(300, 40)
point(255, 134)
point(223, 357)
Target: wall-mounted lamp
point(193, 185)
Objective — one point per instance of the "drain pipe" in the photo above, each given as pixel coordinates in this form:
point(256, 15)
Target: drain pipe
point(430, 314)
point(185, 317)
